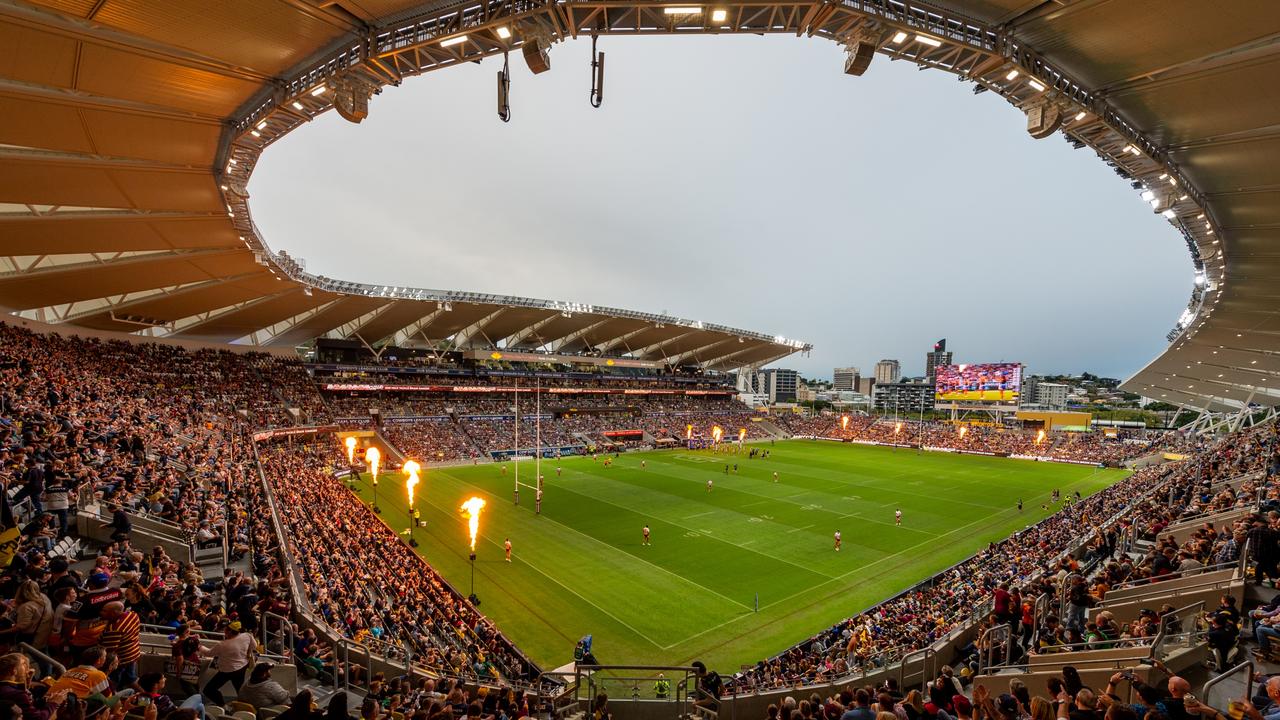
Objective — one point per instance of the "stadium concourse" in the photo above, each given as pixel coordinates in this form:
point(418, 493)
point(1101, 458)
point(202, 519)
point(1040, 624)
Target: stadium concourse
point(146, 451)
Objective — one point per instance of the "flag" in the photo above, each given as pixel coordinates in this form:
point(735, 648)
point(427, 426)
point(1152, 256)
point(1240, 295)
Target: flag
point(10, 535)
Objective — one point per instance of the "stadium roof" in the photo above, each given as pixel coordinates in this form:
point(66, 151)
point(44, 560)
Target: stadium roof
point(128, 130)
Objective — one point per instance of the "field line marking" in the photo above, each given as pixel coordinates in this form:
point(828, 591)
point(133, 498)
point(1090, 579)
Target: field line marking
point(858, 569)
point(690, 517)
point(688, 529)
point(886, 558)
point(792, 530)
point(538, 570)
point(618, 549)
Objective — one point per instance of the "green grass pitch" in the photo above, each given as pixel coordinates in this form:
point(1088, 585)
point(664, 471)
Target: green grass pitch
point(580, 567)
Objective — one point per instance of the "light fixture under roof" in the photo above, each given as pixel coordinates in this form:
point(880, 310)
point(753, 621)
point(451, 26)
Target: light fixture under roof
point(1012, 74)
point(319, 90)
point(1037, 85)
point(899, 37)
point(297, 105)
point(683, 10)
point(719, 15)
point(455, 40)
point(1080, 115)
point(931, 42)
point(504, 32)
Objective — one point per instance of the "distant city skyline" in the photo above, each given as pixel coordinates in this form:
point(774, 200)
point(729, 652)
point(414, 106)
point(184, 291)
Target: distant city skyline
point(744, 181)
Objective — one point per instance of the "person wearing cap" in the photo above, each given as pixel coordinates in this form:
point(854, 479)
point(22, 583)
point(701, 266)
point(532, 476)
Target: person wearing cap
point(231, 657)
point(261, 690)
point(84, 622)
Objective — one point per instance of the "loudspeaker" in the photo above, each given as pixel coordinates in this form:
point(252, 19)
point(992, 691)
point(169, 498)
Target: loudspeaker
point(1043, 121)
point(859, 57)
point(537, 54)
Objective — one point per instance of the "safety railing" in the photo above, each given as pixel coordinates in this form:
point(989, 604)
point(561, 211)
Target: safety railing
point(994, 640)
point(1156, 579)
point(927, 669)
point(1244, 669)
point(278, 637)
point(167, 630)
point(555, 694)
point(1179, 629)
point(622, 684)
point(42, 659)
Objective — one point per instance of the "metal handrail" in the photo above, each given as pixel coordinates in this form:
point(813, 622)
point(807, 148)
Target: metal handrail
point(1128, 584)
point(1211, 682)
point(1163, 632)
point(925, 654)
point(26, 648)
point(994, 636)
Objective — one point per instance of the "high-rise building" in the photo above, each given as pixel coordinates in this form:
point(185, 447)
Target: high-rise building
point(888, 371)
point(777, 384)
point(939, 356)
point(1052, 395)
point(845, 378)
point(866, 385)
point(903, 397)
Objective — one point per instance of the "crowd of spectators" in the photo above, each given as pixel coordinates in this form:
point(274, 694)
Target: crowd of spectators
point(1033, 562)
point(432, 441)
point(137, 429)
point(366, 583)
point(147, 429)
point(1090, 447)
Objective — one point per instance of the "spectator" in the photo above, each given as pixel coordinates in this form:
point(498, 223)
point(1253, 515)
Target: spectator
point(261, 690)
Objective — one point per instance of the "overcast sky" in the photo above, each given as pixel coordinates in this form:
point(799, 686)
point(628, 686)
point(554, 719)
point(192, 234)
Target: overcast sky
point(745, 181)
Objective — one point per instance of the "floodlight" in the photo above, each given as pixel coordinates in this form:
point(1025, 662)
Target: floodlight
point(457, 40)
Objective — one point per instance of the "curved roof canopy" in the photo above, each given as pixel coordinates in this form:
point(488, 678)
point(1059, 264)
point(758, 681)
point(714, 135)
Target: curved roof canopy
point(129, 128)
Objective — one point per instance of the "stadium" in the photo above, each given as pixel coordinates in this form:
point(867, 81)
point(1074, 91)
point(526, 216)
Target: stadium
point(238, 488)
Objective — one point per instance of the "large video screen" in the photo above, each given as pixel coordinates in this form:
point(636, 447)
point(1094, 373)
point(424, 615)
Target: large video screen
point(989, 382)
